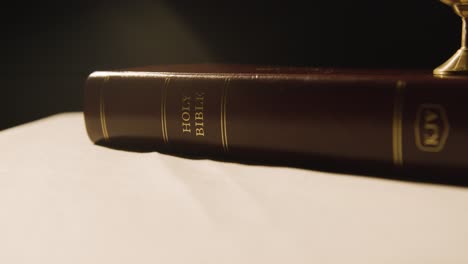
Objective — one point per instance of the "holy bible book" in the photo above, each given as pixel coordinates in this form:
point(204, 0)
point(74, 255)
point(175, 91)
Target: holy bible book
point(374, 118)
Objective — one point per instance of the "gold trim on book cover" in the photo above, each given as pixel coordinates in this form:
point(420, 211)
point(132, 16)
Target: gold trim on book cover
point(398, 124)
point(224, 138)
point(102, 110)
point(163, 111)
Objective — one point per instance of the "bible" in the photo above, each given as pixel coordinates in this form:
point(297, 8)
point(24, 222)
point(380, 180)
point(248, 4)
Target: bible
point(377, 118)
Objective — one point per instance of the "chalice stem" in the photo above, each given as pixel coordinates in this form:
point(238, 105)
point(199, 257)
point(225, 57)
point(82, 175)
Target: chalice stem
point(458, 63)
point(464, 40)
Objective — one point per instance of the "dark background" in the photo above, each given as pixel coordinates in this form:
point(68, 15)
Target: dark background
point(48, 49)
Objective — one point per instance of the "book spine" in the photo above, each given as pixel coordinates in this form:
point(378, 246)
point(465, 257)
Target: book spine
point(392, 123)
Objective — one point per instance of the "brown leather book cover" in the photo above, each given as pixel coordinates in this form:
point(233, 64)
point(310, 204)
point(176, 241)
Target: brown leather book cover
point(379, 118)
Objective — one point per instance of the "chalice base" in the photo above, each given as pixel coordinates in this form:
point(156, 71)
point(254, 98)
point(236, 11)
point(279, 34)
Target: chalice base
point(456, 65)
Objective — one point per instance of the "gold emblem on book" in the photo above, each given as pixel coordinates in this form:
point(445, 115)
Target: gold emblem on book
point(431, 128)
point(458, 63)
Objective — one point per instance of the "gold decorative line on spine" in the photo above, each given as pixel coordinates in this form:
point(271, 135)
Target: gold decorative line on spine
point(163, 110)
point(398, 124)
point(224, 138)
point(102, 111)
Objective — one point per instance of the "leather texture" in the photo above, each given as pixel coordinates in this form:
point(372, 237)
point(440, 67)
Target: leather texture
point(382, 118)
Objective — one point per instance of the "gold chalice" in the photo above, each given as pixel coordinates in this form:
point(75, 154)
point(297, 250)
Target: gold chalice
point(458, 63)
